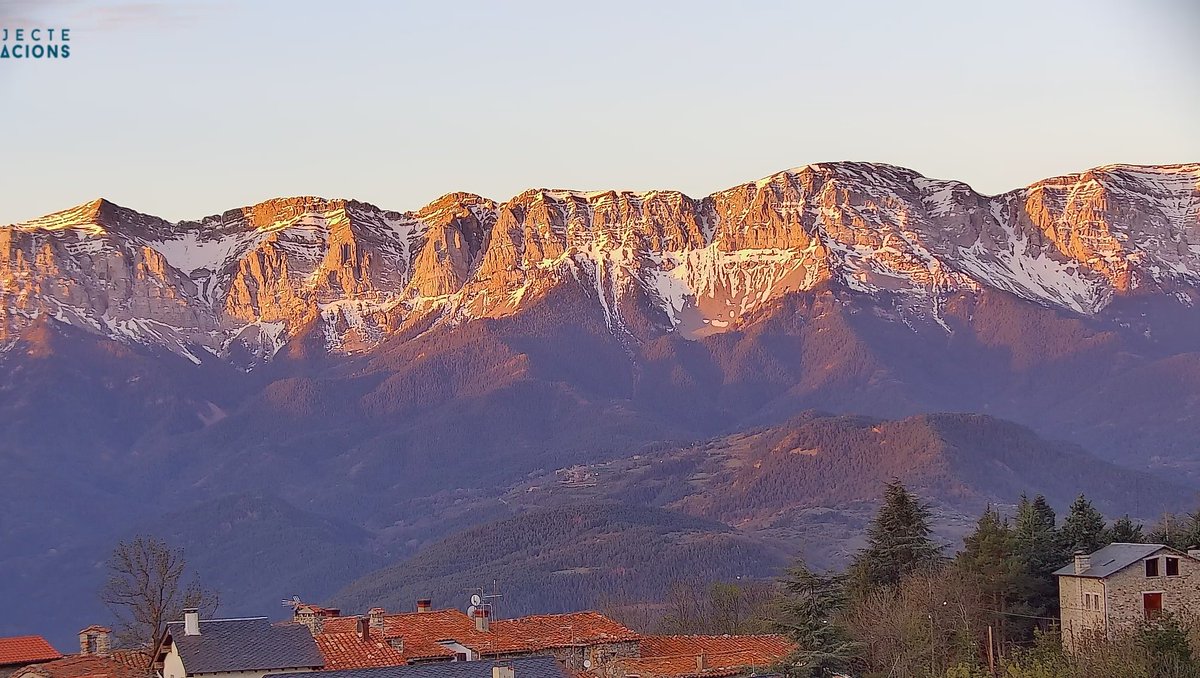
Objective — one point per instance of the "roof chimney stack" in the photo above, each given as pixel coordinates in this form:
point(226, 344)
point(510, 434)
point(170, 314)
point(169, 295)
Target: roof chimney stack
point(94, 641)
point(482, 621)
point(503, 672)
point(376, 616)
point(1082, 562)
point(424, 605)
point(191, 622)
point(701, 662)
point(362, 626)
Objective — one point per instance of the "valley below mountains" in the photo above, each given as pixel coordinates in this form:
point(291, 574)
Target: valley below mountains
point(608, 391)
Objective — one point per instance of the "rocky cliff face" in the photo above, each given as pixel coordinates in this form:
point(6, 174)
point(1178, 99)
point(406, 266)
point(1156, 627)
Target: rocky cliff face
point(245, 282)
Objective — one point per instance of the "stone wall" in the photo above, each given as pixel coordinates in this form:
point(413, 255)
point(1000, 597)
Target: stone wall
point(1078, 622)
point(1125, 588)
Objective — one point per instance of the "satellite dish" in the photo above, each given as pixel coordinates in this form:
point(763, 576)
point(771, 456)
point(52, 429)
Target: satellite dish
point(471, 611)
point(476, 599)
point(587, 663)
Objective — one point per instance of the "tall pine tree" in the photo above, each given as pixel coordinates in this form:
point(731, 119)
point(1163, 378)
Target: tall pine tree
point(808, 605)
point(1038, 548)
point(898, 542)
point(989, 563)
point(1083, 528)
point(1125, 531)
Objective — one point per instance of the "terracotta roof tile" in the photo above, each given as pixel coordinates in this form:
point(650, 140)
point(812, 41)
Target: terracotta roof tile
point(422, 631)
point(677, 656)
point(546, 631)
point(348, 651)
point(120, 664)
point(26, 650)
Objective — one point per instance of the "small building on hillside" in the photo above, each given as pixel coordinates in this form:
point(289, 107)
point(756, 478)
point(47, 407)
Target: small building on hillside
point(236, 648)
point(1111, 591)
point(17, 652)
point(96, 659)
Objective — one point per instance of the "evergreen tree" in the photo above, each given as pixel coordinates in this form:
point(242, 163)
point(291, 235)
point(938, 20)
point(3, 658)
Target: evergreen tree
point(806, 615)
point(898, 542)
point(1173, 530)
point(989, 564)
point(1124, 531)
point(1083, 529)
point(1038, 548)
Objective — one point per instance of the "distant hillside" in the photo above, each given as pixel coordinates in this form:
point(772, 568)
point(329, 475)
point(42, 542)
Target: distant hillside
point(566, 559)
point(254, 550)
point(960, 460)
point(813, 482)
point(258, 549)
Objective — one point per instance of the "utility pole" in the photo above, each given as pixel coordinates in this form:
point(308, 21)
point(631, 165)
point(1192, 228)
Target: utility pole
point(991, 655)
point(932, 633)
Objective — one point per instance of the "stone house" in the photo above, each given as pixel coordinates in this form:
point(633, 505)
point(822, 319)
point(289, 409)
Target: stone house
point(1111, 591)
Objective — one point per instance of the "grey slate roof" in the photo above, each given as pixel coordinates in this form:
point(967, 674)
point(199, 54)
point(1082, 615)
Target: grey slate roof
point(245, 645)
point(1113, 558)
point(526, 667)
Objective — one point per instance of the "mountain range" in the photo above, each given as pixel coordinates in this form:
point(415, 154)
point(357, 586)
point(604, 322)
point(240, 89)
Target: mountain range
point(414, 376)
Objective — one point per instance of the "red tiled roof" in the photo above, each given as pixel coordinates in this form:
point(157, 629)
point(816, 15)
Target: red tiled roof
point(422, 631)
point(545, 631)
point(348, 651)
point(26, 650)
point(120, 664)
point(676, 656)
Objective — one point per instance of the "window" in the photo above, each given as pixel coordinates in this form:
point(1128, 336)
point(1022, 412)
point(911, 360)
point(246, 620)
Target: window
point(1087, 601)
point(460, 656)
point(1152, 604)
point(1152, 567)
point(1172, 567)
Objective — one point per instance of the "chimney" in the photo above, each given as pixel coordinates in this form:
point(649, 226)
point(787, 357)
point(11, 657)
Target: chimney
point(191, 622)
point(94, 640)
point(1082, 562)
point(701, 662)
point(503, 672)
point(482, 623)
point(376, 616)
point(362, 626)
point(424, 605)
point(397, 643)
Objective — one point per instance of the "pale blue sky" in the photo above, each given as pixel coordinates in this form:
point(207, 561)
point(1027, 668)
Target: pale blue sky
point(189, 108)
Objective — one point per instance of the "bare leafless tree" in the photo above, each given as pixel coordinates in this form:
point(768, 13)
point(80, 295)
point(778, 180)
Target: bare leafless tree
point(146, 589)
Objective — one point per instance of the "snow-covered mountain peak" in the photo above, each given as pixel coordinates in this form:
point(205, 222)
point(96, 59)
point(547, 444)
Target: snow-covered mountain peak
point(241, 283)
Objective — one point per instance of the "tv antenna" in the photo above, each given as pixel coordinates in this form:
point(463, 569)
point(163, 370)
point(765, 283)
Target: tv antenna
point(482, 600)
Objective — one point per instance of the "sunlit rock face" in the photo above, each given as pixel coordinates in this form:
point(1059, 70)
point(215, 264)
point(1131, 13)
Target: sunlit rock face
point(245, 282)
